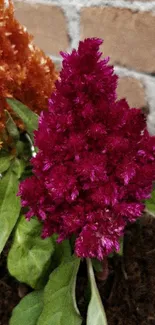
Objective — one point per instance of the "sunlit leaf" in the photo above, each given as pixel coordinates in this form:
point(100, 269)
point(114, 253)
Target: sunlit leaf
point(28, 310)
point(11, 127)
point(59, 296)
point(95, 314)
point(5, 162)
point(29, 257)
point(29, 118)
point(9, 206)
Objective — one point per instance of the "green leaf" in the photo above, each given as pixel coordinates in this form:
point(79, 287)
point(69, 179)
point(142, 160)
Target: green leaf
point(5, 162)
point(20, 148)
point(150, 204)
point(18, 166)
point(120, 252)
point(98, 265)
point(30, 255)
point(59, 296)
point(9, 206)
point(95, 314)
point(28, 310)
point(11, 127)
point(62, 251)
point(29, 118)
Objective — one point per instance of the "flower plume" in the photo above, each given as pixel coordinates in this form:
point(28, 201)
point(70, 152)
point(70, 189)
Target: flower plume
point(95, 162)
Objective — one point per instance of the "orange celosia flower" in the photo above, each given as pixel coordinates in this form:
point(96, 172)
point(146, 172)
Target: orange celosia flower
point(26, 73)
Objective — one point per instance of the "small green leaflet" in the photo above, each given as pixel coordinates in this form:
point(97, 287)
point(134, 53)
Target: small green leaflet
point(15, 165)
point(5, 162)
point(59, 296)
point(150, 204)
point(9, 206)
point(28, 310)
point(95, 314)
point(18, 166)
point(11, 127)
point(29, 257)
point(29, 118)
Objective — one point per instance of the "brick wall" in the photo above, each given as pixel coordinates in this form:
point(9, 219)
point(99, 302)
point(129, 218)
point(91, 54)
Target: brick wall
point(128, 28)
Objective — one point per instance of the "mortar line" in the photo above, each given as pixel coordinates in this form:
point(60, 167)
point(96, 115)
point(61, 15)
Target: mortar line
point(136, 5)
point(124, 71)
point(72, 15)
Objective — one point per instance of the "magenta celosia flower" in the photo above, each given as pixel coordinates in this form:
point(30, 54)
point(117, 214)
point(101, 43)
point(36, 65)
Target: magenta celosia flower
point(96, 160)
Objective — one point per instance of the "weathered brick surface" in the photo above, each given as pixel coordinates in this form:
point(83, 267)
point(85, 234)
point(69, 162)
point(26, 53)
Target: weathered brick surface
point(47, 24)
point(129, 36)
point(141, 0)
point(133, 90)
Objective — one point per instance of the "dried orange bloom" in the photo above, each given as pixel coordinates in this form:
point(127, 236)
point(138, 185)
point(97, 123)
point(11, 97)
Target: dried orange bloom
point(26, 73)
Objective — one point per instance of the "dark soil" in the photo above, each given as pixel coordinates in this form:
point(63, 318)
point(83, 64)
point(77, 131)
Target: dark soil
point(129, 292)
point(132, 298)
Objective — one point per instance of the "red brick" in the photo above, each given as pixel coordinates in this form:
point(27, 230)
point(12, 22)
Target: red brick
point(129, 36)
point(133, 90)
point(46, 23)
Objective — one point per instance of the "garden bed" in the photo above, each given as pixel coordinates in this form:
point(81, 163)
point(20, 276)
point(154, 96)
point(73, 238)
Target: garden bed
point(128, 294)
